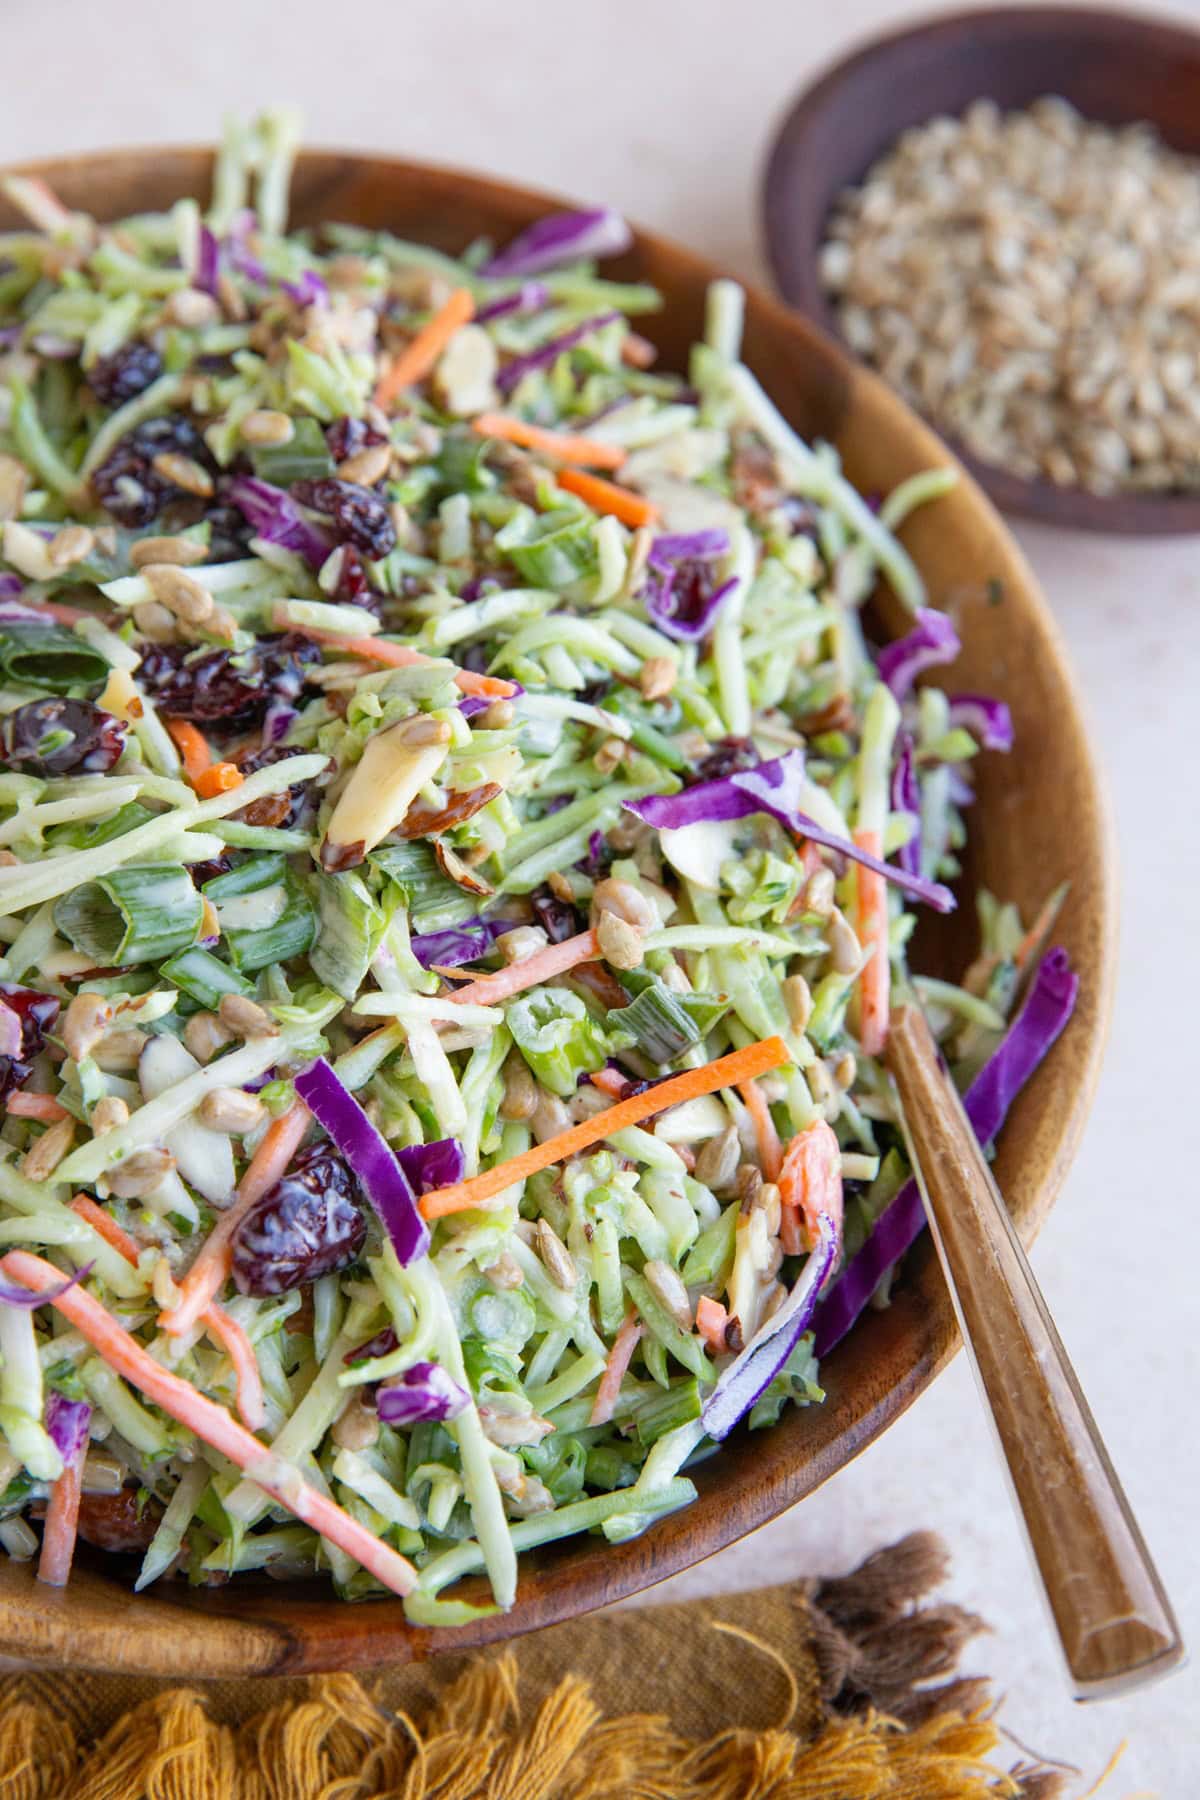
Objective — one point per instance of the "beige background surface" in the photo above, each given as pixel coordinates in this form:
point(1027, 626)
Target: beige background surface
point(665, 108)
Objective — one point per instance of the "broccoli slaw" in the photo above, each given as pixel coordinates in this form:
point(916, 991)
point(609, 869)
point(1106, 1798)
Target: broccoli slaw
point(457, 845)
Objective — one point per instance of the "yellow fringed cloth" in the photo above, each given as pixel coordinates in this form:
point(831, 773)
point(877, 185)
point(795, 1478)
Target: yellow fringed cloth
point(822, 1690)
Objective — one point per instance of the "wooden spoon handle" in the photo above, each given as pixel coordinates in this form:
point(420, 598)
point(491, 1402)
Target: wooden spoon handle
point(1113, 1618)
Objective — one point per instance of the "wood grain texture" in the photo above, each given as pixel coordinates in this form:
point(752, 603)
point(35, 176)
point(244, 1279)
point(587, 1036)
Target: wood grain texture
point(1040, 818)
point(1114, 67)
point(1114, 1621)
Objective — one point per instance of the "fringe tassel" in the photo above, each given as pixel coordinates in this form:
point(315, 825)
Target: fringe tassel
point(889, 1732)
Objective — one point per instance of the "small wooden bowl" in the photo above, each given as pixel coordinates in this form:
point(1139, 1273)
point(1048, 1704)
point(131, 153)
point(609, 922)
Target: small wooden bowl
point(1117, 68)
point(1040, 818)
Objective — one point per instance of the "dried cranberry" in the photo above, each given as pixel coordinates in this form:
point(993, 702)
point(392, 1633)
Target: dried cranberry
point(353, 588)
point(208, 871)
point(229, 533)
point(557, 918)
point(358, 513)
point(37, 1013)
point(128, 485)
point(727, 758)
point(382, 1344)
point(308, 1225)
point(125, 374)
point(62, 737)
point(287, 807)
point(233, 687)
point(124, 1521)
point(346, 437)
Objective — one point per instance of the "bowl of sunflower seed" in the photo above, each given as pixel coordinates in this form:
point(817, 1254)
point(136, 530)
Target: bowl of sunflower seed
point(999, 211)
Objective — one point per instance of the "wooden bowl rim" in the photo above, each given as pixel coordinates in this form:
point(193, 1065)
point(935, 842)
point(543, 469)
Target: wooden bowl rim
point(269, 1629)
point(789, 167)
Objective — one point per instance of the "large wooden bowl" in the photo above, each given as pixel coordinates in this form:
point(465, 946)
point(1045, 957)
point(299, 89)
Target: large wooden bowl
point(1115, 67)
point(1040, 818)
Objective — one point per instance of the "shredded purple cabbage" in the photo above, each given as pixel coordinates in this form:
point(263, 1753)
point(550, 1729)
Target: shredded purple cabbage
point(775, 788)
point(67, 1423)
point(310, 290)
point(367, 1152)
point(560, 238)
point(1047, 1008)
point(986, 719)
point(752, 1372)
point(906, 798)
point(531, 296)
point(13, 1294)
point(424, 1392)
point(696, 546)
point(436, 1165)
point(458, 943)
point(276, 517)
point(208, 262)
point(683, 605)
point(933, 640)
point(240, 255)
point(548, 353)
point(11, 586)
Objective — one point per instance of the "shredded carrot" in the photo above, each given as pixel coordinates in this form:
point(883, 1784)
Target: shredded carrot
point(791, 1232)
point(417, 359)
point(105, 1226)
point(1040, 930)
point(35, 1106)
point(609, 1081)
point(810, 1182)
point(233, 1340)
point(637, 352)
point(872, 924)
point(568, 446)
point(201, 1284)
point(711, 1320)
point(770, 1150)
point(210, 1422)
point(619, 1359)
point(543, 965)
point(221, 778)
point(727, 1071)
point(66, 615)
point(399, 656)
point(192, 746)
point(216, 1321)
point(606, 497)
point(58, 1531)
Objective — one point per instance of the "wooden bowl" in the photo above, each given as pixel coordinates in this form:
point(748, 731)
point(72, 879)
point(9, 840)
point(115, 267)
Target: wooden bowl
point(1117, 68)
point(1040, 818)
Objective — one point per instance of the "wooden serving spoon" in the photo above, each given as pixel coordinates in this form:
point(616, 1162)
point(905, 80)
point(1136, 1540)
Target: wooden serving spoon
point(1113, 1618)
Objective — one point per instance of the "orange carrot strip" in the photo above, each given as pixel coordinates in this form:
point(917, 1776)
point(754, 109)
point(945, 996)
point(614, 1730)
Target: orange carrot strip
point(791, 1232)
point(58, 1532)
point(417, 359)
point(34, 1106)
point(568, 446)
point(810, 1182)
point(770, 1150)
point(217, 1322)
point(202, 1283)
point(607, 497)
point(543, 965)
point(399, 656)
point(192, 746)
point(221, 778)
point(105, 1226)
point(211, 1423)
point(240, 1351)
point(711, 1320)
point(727, 1071)
point(609, 1081)
point(872, 924)
point(1040, 928)
point(619, 1359)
